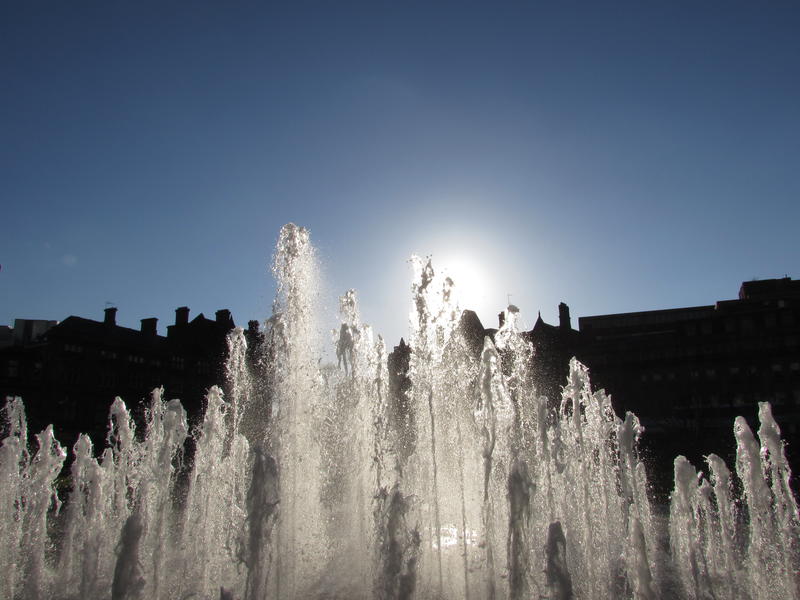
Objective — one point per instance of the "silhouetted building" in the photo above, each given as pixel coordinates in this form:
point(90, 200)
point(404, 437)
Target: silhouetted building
point(69, 373)
point(6, 336)
point(198, 349)
point(25, 331)
point(688, 372)
point(553, 347)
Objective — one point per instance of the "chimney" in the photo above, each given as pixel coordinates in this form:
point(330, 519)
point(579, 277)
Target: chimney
point(150, 326)
point(252, 326)
point(111, 316)
point(501, 318)
point(182, 315)
point(223, 317)
point(563, 317)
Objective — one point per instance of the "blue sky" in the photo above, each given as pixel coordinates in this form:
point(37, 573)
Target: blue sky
point(615, 156)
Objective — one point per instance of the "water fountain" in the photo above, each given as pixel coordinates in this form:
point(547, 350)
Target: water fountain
point(313, 481)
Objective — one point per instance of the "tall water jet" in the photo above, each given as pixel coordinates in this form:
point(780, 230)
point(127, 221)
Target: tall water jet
point(290, 434)
point(40, 493)
point(13, 459)
point(322, 481)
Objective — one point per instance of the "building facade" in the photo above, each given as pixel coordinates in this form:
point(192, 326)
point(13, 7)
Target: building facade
point(69, 373)
point(687, 373)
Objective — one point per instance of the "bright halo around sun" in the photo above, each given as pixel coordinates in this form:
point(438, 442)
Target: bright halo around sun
point(473, 287)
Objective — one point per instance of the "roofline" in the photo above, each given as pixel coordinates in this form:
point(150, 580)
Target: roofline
point(98, 323)
point(651, 312)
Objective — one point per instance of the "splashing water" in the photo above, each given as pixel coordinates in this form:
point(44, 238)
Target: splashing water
point(313, 481)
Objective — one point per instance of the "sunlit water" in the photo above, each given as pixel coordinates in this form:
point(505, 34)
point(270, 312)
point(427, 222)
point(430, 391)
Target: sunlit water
point(313, 481)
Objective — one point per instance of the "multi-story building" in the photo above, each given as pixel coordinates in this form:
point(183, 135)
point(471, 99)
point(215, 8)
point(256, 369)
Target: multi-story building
point(688, 372)
point(69, 373)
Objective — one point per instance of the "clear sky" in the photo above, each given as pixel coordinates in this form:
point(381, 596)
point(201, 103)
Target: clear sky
point(615, 156)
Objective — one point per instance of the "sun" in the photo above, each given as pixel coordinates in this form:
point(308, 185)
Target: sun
point(473, 286)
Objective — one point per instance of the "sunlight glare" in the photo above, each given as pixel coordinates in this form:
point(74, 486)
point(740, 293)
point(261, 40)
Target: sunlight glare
point(473, 285)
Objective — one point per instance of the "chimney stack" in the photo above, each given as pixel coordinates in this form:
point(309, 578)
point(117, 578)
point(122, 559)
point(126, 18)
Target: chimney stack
point(223, 317)
point(563, 317)
point(150, 326)
point(110, 316)
point(182, 315)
